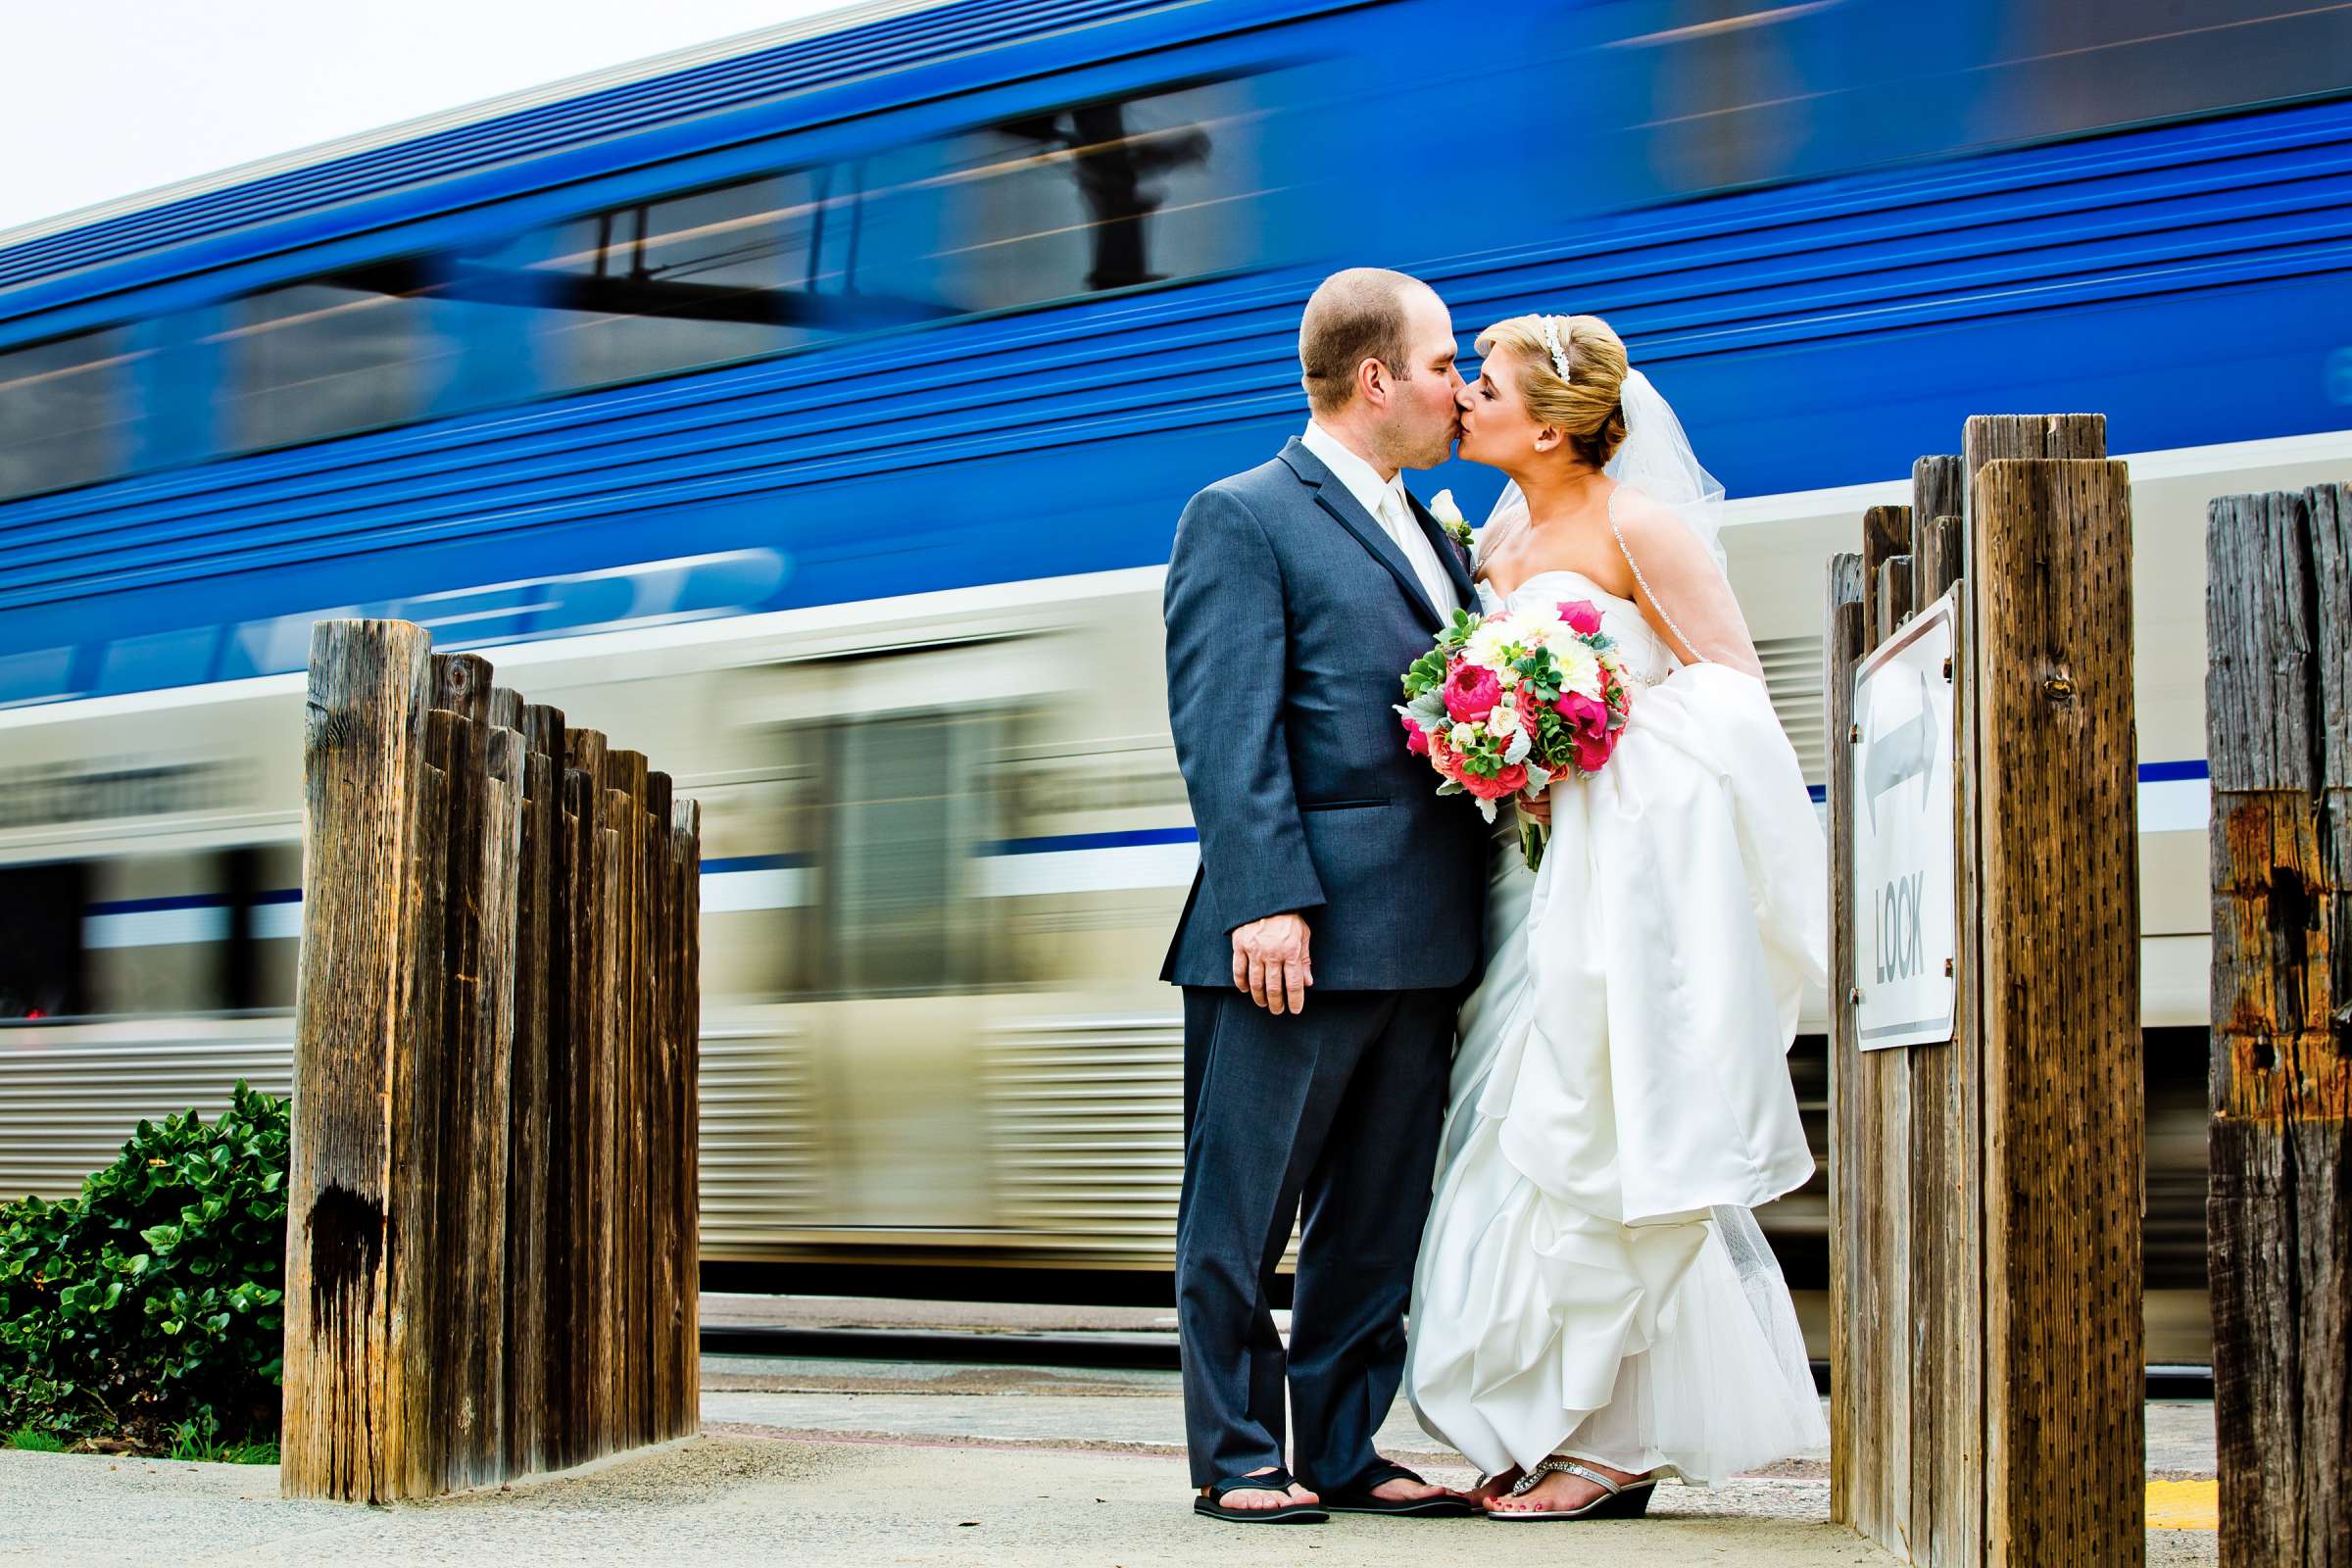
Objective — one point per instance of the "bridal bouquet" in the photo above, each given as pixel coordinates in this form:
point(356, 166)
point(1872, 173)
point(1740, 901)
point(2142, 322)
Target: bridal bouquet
point(1506, 702)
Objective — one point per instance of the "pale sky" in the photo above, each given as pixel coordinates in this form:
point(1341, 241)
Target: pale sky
point(106, 98)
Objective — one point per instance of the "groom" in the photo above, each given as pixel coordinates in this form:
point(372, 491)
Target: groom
point(1335, 920)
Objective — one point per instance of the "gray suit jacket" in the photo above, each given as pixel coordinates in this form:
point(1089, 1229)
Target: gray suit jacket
point(1291, 617)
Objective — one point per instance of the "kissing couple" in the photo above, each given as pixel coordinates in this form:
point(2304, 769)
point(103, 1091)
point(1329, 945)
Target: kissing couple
point(1536, 1106)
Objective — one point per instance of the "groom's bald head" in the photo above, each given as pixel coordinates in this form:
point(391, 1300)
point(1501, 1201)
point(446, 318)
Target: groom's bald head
point(1364, 313)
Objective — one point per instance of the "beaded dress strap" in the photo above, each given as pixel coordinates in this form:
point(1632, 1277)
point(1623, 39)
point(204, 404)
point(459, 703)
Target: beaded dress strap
point(1643, 583)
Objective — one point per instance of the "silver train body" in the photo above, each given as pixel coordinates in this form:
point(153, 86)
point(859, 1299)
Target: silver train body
point(946, 843)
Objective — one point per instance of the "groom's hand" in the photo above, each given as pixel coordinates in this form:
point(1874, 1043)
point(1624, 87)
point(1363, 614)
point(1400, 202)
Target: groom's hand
point(1271, 962)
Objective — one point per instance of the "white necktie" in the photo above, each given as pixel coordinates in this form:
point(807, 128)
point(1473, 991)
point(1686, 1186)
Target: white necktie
point(1409, 538)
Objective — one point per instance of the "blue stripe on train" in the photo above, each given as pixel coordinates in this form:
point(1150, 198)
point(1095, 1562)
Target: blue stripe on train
point(2190, 771)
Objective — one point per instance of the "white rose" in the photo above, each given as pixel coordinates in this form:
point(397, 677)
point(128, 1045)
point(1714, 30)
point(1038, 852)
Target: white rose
point(1462, 736)
point(1442, 506)
point(1502, 721)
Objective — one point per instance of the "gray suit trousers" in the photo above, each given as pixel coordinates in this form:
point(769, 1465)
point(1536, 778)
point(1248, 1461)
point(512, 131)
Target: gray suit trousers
point(1339, 1107)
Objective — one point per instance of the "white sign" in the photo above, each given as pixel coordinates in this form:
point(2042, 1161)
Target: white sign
point(1904, 897)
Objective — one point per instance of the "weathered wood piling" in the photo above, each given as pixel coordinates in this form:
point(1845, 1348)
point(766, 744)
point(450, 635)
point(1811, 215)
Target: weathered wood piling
point(2278, 736)
point(1985, 1190)
point(491, 1249)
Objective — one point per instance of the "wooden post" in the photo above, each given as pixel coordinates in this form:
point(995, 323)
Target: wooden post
point(591, 1181)
point(2059, 911)
point(686, 855)
point(657, 1115)
point(361, 792)
point(2279, 728)
point(1946, 1272)
point(1986, 1330)
point(1853, 1321)
point(484, 1050)
point(1883, 1092)
point(1895, 601)
point(529, 1266)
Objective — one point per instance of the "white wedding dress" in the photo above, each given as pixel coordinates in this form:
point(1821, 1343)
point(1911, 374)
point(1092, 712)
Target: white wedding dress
point(1591, 1281)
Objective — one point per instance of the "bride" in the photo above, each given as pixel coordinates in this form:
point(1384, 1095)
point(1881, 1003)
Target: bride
point(1594, 1307)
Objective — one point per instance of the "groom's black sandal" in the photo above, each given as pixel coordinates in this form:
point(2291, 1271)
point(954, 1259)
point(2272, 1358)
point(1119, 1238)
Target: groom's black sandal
point(1362, 1498)
point(1288, 1513)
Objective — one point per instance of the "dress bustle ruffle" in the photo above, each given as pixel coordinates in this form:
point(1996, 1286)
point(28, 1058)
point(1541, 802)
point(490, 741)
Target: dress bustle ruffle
point(1591, 1280)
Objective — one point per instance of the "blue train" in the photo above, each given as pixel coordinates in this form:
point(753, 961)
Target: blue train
point(877, 354)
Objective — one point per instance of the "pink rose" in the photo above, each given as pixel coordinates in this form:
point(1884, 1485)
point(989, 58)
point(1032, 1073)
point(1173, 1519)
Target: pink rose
point(1471, 693)
point(1581, 616)
point(1416, 739)
point(1513, 778)
point(1588, 717)
point(1593, 751)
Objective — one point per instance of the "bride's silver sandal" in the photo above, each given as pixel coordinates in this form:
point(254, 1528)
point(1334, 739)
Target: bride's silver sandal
point(1628, 1499)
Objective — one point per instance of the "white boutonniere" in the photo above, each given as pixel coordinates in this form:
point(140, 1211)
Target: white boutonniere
point(1450, 517)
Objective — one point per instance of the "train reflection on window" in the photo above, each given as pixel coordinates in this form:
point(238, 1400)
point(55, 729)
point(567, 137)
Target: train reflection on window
point(1103, 196)
point(62, 411)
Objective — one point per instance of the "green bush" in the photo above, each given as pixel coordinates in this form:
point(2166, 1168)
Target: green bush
point(147, 1307)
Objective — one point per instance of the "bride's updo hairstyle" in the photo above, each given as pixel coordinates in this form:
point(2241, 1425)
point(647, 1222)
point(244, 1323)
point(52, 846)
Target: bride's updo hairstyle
point(1583, 403)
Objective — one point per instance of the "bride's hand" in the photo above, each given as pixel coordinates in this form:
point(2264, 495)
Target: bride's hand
point(1538, 810)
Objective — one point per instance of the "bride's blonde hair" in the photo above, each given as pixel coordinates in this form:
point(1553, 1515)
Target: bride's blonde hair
point(1583, 403)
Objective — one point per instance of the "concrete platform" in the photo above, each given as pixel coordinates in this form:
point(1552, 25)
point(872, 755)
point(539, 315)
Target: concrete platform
point(988, 1467)
point(873, 1463)
point(741, 1499)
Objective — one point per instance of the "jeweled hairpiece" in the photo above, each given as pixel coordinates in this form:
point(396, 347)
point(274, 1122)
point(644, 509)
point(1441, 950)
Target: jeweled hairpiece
point(1552, 341)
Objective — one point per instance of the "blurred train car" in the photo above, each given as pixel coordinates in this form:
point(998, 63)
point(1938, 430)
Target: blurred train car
point(813, 411)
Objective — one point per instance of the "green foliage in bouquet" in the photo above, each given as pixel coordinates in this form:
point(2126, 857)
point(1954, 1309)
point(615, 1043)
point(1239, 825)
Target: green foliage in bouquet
point(147, 1307)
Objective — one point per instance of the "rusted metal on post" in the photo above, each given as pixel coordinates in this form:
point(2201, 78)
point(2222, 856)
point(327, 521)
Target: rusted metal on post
point(472, 1296)
point(2278, 733)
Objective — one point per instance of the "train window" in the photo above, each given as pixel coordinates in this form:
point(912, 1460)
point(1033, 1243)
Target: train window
point(668, 285)
point(1695, 95)
point(2089, 63)
point(41, 910)
point(909, 811)
point(1045, 207)
point(64, 408)
point(1050, 206)
point(333, 354)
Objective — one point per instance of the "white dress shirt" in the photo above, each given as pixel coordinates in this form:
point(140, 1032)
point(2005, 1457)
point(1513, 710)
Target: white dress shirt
point(1385, 501)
